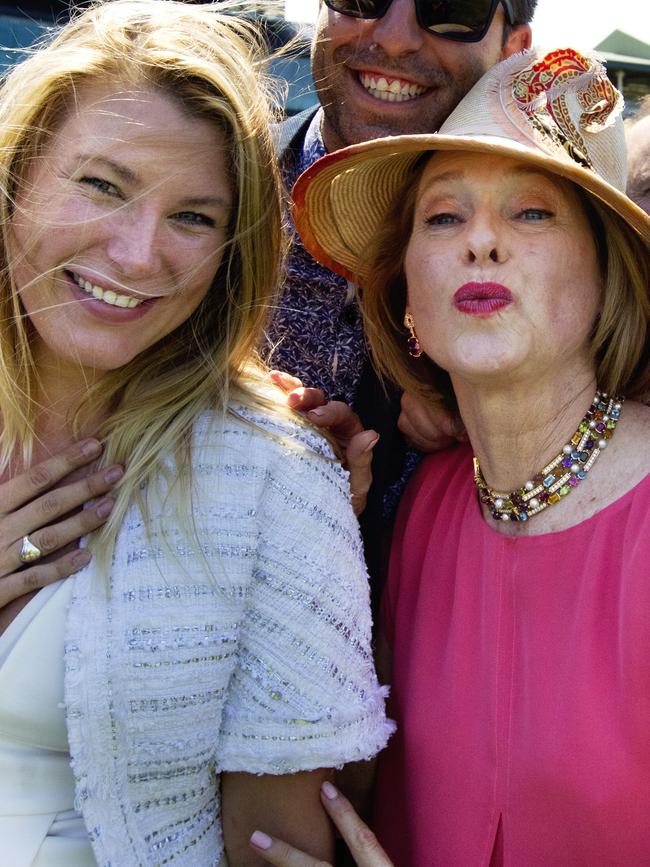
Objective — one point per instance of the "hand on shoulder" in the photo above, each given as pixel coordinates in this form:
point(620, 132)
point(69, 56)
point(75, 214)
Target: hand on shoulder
point(355, 444)
point(429, 428)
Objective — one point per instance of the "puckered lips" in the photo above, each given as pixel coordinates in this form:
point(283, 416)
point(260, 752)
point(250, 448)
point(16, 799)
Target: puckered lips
point(111, 304)
point(482, 299)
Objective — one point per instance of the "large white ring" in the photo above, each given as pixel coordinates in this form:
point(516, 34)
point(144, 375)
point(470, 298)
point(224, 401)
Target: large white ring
point(29, 551)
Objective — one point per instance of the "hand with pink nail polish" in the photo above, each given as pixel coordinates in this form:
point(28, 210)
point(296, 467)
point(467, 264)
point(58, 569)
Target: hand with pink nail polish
point(355, 444)
point(42, 520)
point(360, 840)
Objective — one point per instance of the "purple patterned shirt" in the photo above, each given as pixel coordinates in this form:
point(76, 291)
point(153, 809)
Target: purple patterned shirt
point(316, 332)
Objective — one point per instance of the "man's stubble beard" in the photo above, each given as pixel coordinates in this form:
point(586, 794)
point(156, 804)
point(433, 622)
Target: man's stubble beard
point(424, 114)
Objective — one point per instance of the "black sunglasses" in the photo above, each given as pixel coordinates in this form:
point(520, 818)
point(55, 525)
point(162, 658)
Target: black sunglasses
point(460, 20)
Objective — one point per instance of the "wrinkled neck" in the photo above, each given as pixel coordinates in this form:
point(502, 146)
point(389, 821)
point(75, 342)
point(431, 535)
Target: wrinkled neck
point(517, 429)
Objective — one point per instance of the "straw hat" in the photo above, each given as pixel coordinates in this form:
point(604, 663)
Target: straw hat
point(557, 110)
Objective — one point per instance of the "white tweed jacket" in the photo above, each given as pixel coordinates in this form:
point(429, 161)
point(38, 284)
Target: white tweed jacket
point(250, 654)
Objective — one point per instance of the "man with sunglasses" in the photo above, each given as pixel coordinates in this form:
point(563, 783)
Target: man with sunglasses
point(401, 66)
point(381, 67)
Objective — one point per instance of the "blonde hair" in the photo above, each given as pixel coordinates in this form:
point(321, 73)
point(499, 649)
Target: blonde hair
point(205, 61)
point(620, 342)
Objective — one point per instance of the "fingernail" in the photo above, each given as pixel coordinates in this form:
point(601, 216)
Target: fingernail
point(81, 559)
point(103, 509)
point(113, 474)
point(261, 840)
point(317, 412)
point(329, 791)
point(89, 448)
point(371, 445)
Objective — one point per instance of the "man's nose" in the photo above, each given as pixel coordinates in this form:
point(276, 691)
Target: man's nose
point(398, 31)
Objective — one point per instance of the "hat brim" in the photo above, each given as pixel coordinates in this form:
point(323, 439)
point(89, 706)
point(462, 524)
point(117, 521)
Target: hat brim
point(341, 201)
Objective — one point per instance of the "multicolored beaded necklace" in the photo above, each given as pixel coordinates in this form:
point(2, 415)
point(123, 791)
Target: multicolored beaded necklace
point(563, 473)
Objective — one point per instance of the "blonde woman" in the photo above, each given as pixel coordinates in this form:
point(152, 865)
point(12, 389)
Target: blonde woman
point(212, 660)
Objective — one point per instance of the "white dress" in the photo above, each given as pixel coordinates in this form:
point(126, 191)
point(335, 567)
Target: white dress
point(38, 825)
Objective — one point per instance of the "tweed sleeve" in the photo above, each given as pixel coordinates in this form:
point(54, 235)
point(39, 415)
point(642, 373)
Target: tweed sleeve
point(304, 693)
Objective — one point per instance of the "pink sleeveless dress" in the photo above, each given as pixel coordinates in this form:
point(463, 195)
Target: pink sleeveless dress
point(521, 684)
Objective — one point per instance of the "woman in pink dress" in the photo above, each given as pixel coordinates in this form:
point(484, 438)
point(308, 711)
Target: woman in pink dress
point(505, 273)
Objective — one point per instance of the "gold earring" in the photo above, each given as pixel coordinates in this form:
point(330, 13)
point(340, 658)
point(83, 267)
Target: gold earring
point(415, 350)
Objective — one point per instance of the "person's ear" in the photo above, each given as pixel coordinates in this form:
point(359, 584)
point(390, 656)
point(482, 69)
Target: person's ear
point(519, 38)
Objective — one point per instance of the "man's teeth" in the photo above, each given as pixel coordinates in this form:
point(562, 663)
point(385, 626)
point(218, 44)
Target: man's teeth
point(396, 91)
point(106, 295)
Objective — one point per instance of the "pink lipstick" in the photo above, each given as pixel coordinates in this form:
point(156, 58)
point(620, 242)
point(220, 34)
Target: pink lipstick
point(482, 299)
point(101, 310)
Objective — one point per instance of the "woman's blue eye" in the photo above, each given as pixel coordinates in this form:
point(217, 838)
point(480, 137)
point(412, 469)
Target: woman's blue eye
point(101, 185)
point(535, 214)
point(194, 219)
point(441, 219)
